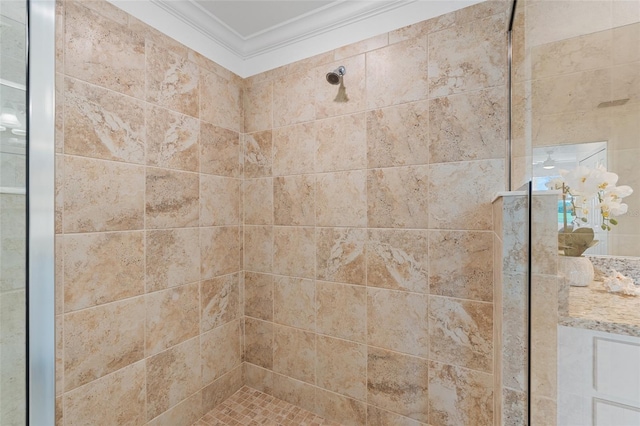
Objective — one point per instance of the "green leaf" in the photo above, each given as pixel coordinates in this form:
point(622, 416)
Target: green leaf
point(613, 221)
point(584, 219)
point(604, 227)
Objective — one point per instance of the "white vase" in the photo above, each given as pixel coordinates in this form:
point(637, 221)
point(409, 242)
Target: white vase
point(576, 271)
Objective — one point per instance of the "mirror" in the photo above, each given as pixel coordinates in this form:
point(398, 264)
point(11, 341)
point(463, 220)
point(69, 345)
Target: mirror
point(585, 109)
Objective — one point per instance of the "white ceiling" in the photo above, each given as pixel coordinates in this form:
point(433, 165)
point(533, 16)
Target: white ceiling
point(249, 37)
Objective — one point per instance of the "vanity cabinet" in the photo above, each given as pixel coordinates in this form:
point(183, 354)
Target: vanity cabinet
point(598, 378)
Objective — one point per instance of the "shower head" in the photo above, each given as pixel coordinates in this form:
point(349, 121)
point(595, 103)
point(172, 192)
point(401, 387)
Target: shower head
point(334, 76)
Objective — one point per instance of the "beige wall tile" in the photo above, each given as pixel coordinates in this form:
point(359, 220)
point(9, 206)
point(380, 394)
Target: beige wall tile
point(624, 44)
point(258, 248)
point(471, 348)
point(570, 93)
point(391, 81)
point(397, 320)
point(258, 154)
point(59, 194)
point(258, 378)
point(221, 351)
point(172, 258)
point(59, 274)
point(258, 107)
point(294, 391)
point(101, 340)
point(294, 251)
point(172, 316)
point(363, 46)
point(340, 255)
point(293, 302)
point(294, 200)
point(341, 366)
point(293, 98)
point(397, 197)
point(220, 199)
point(548, 22)
point(390, 375)
point(575, 54)
point(459, 396)
point(172, 81)
point(341, 409)
point(14, 360)
point(398, 259)
point(294, 353)
point(220, 251)
point(468, 57)
point(294, 149)
point(92, 203)
point(107, 10)
point(103, 124)
point(258, 201)
point(184, 413)
point(341, 310)
point(379, 417)
point(514, 331)
point(353, 82)
point(398, 136)
point(258, 346)
point(481, 134)
point(422, 28)
point(544, 234)
point(114, 60)
point(60, 35)
point(221, 102)
point(118, 399)
point(220, 151)
point(59, 356)
point(461, 264)
point(219, 301)
point(460, 193)
point(342, 143)
point(483, 10)
point(514, 411)
point(221, 389)
point(172, 199)
point(172, 139)
point(341, 199)
point(172, 376)
point(544, 336)
point(59, 410)
point(102, 268)
point(258, 296)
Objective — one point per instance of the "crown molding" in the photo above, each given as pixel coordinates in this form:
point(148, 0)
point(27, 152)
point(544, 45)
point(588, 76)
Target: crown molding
point(335, 25)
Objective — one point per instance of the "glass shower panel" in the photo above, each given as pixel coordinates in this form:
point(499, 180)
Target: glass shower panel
point(577, 114)
point(13, 125)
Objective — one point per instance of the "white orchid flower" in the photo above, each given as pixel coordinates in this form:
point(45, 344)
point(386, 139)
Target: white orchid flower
point(618, 192)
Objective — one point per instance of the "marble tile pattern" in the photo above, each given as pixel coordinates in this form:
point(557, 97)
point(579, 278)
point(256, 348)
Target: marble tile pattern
point(149, 210)
point(256, 232)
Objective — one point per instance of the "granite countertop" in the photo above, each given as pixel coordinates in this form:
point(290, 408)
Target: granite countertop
point(594, 308)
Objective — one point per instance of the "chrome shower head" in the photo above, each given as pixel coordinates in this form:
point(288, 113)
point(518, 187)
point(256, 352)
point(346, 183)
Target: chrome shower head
point(334, 76)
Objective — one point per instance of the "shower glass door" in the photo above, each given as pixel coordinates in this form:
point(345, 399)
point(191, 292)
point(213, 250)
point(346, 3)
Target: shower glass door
point(13, 233)
point(576, 108)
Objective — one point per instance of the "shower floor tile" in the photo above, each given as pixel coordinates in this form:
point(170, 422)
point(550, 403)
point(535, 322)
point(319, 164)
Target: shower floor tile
point(249, 407)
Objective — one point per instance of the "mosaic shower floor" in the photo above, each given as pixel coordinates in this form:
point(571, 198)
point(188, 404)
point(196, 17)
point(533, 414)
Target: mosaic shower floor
point(249, 407)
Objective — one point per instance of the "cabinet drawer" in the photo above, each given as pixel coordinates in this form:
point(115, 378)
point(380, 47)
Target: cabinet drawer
point(617, 370)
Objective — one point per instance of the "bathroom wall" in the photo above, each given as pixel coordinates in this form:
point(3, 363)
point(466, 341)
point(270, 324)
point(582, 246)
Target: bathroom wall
point(368, 249)
point(148, 224)
point(363, 238)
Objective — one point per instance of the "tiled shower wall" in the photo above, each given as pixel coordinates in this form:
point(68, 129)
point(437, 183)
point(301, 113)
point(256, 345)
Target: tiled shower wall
point(148, 224)
point(367, 242)
point(368, 247)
